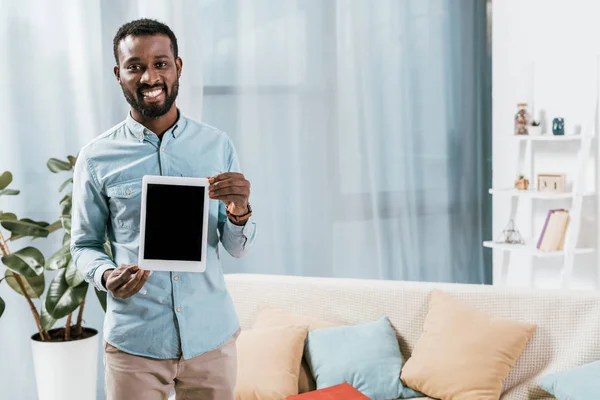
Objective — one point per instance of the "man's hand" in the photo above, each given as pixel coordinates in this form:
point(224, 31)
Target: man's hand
point(125, 281)
point(233, 189)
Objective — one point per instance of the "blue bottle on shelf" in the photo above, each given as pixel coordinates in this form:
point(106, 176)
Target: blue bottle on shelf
point(558, 126)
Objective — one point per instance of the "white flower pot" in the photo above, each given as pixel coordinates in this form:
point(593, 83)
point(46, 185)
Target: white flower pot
point(66, 370)
point(535, 130)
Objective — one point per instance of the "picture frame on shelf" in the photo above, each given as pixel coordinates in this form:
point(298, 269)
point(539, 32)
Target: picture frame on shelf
point(554, 183)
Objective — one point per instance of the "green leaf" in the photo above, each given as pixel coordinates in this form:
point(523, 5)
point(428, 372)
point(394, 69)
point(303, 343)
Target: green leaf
point(65, 184)
point(43, 224)
point(72, 160)
point(34, 286)
point(56, 165)
point(63, 299)
point(25, 227)
point(2, 306)
point(54, 226)
point(7, 216)
point(66, 223)
point(101, 298)
point(28, 262)
point(67, 239)
point(59, 260)
point(66, 204)
point(5, 180)
point(9, 192)
point(47, 320)
point(108, 249)
point(73, 276)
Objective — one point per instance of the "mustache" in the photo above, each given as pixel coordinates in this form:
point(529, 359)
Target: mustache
point(148, 87)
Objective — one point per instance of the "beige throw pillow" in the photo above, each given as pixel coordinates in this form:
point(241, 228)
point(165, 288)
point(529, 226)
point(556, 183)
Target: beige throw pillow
point(463, 353)
point(269, 316)
point(269, 362)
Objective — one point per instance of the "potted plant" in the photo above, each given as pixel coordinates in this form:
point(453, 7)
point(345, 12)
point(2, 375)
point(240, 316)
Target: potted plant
point(535, 128)
point(55, 351)
point(522, 183)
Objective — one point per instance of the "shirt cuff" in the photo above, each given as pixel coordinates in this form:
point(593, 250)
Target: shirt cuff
point(242, 230)
point(98, 276)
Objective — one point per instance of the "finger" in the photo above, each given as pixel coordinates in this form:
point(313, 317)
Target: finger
point(225, 175)
point(232, 199)
point(232, 190)
point(120, 276)
point(127, 287)
point(141, 283)
point(229, 183)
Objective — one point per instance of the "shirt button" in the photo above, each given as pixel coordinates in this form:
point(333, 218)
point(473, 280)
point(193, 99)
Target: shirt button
point(175, 278)
point(178, 309)
point(128, 192)
point(162, 149)
point(141, 137)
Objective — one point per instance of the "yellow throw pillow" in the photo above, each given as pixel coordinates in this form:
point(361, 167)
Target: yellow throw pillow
point(269, 316)
point(463, 353)
point(269, 362)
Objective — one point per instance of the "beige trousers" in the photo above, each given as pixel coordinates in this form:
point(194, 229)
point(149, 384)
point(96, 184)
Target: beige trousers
point(209, 376)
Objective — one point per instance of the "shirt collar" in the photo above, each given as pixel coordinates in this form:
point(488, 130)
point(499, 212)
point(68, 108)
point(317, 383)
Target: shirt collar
point(139, 131)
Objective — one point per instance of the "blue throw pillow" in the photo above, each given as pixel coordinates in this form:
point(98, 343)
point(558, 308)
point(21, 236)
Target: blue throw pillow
point(578, 383)
point(367, 356)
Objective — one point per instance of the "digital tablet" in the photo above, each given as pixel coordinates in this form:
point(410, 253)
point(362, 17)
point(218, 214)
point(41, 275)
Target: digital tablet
point(173, 224)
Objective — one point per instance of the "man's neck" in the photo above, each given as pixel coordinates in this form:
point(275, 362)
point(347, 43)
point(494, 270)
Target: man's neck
point(157, 125)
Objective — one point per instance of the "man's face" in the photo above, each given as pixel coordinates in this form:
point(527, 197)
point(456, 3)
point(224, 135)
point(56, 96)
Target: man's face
point(148, 74)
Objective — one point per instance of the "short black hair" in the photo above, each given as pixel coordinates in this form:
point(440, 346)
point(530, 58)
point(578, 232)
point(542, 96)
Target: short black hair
point(144, 27)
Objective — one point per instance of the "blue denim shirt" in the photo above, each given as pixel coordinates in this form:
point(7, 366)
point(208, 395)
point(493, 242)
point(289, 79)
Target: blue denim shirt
point(176, 313)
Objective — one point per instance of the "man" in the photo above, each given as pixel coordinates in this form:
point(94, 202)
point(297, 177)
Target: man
point(180, 330)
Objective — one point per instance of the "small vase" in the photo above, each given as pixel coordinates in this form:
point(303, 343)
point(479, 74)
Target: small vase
point(558, 126)
point(522, 184)
point(522, 120)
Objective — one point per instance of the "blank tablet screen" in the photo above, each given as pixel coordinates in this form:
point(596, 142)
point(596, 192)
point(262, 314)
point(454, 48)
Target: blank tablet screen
point(174, 217)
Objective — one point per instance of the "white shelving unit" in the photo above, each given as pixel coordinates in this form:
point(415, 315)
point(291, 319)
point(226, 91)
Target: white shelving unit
point(573, 201)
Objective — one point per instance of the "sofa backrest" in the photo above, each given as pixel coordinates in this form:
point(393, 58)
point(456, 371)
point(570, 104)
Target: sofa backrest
point(568, 331)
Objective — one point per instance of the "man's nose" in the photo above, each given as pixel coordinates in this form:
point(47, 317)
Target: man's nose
point(150, 76)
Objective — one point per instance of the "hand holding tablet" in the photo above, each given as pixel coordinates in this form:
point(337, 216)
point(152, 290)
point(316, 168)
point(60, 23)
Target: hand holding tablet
point(125, 281)
point(233, 189)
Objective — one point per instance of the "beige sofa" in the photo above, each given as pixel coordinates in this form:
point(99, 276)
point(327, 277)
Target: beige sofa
point(568, 332)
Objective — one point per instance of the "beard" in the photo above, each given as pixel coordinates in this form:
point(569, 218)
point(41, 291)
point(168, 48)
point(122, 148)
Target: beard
point(136, 100)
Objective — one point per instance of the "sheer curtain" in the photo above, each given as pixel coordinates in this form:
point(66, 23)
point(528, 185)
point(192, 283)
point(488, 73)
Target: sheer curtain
point(363, 126)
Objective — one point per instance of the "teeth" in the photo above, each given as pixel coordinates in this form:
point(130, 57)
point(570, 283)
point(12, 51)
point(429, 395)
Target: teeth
point(153, 93)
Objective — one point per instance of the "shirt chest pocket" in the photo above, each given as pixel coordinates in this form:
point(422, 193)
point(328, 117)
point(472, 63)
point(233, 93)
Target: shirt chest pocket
point(125, 200)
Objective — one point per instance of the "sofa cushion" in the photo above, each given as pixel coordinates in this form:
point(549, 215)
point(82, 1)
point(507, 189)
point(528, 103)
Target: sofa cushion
point(366, 356)
point(269, 316)
point(580, 383)
point(269, 362)
point(464, 353)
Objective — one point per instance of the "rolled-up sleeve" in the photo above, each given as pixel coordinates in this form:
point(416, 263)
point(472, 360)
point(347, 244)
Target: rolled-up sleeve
point(88, 227)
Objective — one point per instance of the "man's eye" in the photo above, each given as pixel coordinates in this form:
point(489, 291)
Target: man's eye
point(161, 65)
point(133, 67)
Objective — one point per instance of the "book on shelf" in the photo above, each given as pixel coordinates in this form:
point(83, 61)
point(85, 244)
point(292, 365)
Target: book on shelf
point(554, 231)
point(344, 391)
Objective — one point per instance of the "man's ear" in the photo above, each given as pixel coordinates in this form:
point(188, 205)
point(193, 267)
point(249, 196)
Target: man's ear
point(179, 65)
point(117, 73)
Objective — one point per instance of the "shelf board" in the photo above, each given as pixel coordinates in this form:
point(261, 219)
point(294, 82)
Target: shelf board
point(532, 193)
point(532, 250)
point(548, 137)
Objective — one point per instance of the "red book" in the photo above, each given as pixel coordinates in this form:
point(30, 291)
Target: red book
point(344, 391)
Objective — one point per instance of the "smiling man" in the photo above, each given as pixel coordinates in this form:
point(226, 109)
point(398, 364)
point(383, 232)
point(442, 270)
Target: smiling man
point(180, 330)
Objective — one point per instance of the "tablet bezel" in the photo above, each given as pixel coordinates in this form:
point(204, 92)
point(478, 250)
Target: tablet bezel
point(172, 265)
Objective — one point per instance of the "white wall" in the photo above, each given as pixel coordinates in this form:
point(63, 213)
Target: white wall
point(545, 53)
